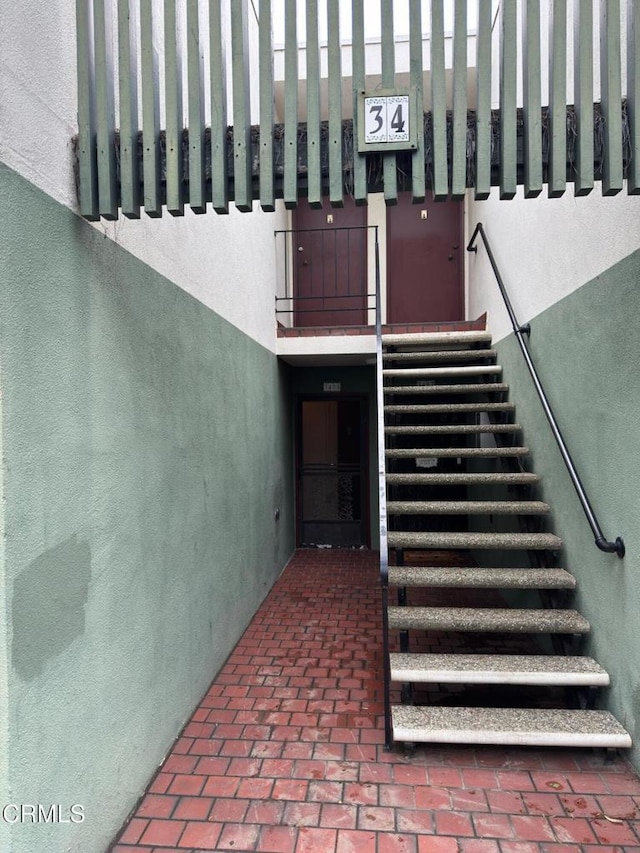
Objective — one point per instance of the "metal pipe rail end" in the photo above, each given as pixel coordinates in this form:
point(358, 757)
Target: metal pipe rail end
point(616, 547)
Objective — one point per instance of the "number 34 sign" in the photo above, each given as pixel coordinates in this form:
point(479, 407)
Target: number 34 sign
point(386, 121)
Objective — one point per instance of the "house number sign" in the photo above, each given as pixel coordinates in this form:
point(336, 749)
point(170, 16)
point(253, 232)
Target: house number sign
point(386, 121)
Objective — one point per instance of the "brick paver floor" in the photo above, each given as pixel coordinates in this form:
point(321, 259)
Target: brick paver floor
point(286, 752)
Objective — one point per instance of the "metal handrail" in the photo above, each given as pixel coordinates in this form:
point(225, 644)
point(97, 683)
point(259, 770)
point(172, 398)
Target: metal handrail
point(382, 507)
point(601, 541)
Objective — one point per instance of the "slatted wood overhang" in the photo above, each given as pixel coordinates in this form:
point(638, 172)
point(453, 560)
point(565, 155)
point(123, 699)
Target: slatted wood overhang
point(133, 52)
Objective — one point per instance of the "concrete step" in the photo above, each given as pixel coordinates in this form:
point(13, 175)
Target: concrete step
point(438, 372)
point(437, 339)
point(455, 452)
point(476, 388)
point(453, 429)
point(543, 670)
point(448, 408)
point(509, 726)
point(467, 508)
point(484, 578)
point(524, 478)
point(497, 541)
point(440, 355)
point(488, 619)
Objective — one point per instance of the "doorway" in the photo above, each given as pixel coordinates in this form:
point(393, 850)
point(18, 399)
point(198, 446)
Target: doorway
point(425, 261)
point(332, 467)
point(329, 265)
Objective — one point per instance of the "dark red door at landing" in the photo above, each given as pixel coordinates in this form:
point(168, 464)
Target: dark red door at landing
point(424, 261)
point(329, 265)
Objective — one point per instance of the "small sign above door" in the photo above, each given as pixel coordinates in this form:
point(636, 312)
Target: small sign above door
point(387, 120)
point(332, 386)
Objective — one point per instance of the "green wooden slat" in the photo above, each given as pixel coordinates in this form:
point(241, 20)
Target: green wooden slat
point(335, 105)
point(633, 94)
point(483, 101)
point(611, 85)
point(459, 152)
point(358, 76)
point(389, 174)
point(242, 191)
point(558, 98)
point(105, 111)
point(314, 170)
point(418, 176)
point(87, 151)
point(532, 100)
point(173, 107)
point(583, 96)
point(265, 49)
point(508, 104)
point(195, 74)
point(440, 187)
point(217, 61)
point(290, 183)
point(150, 113)
point(128, 92)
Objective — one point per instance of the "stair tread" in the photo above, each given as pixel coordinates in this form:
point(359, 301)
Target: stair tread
point(533, 541)
point(452, 429)
point(448, 408)
point(526, 726)
point(435, 372)
point(436, 338)
point(543, 670)
point(481, 452)
point(460, 388)
point(471, 507)
point(487, 578)
point(440, 479)
point(441, 355)
point(488, 619)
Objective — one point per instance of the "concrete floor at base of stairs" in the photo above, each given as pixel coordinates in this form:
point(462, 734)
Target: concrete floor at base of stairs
point(286, 752)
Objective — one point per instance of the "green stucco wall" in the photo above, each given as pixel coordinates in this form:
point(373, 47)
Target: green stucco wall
point(586, 348)
point(146, 444)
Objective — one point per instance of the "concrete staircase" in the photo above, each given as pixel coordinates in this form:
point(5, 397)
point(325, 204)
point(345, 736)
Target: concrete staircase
point(457, 487)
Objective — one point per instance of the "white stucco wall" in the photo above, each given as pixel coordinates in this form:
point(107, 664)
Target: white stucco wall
point(545, 249)
point(228, 263)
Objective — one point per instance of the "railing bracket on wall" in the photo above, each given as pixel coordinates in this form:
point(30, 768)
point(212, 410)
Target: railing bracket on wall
point(601, 541)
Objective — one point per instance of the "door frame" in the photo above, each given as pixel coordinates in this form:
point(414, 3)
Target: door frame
point(364, 400)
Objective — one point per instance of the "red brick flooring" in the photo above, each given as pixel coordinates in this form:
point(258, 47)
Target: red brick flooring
point(285, 753)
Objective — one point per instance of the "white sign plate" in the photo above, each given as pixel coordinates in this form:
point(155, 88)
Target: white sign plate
point(386, 119)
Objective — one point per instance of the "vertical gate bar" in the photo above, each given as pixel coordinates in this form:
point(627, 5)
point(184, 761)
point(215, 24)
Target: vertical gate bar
point(532, 100)
point(195, 76)
point(583, 96)
point(150, 113)
point(439, 178)
point(335, 105)
point(483, 101)
point(87, 148)
point(265, 51)
point(242, 167)
point(633, 94)
point(314, 168)
point(558, 98)
point(611, 95)
point(290, 105)
point(219, 143)
point(358, 77)
point(418, 179)
point(508, 103)
point(128, 93)
point(105, 110)
point(459, 153)
point(390, 176)
point(173, 107)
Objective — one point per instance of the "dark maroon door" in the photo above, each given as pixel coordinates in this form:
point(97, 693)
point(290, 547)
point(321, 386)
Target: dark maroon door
point(329, 264)
point(424, 261)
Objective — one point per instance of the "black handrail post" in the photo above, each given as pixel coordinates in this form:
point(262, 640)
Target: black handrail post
point(601, 541)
